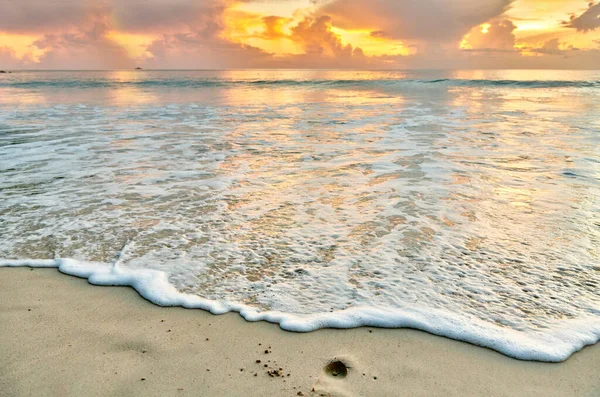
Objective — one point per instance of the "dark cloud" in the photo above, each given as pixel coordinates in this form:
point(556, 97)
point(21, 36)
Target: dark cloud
point(426, 20)
point(161, 15)
point(380, 34)
point(27, 16)
point(134, 16)
point(589, 20)
point(85, 48)
point(197, 50)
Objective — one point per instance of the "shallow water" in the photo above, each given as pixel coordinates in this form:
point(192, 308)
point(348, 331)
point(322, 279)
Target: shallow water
point(463, 203)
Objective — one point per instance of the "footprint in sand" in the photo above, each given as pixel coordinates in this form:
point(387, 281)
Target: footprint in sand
point(332, 381)
point(337, 369)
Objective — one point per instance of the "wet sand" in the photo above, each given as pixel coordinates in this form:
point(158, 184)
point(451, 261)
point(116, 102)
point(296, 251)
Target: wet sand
point(61, 336)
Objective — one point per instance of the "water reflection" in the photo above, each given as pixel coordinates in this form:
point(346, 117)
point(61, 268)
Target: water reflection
point(312, 191)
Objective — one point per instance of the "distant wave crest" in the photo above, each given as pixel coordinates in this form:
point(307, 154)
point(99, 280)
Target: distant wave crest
point(322, 83)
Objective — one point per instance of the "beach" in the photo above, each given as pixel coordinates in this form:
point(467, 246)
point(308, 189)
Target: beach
point(62, 336)
point(300, 198)
point(358, 233)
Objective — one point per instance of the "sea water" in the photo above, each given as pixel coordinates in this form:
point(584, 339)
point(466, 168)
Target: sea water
point(462, 203)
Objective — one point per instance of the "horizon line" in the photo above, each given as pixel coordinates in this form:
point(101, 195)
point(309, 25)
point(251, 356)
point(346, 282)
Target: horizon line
point(289, 69)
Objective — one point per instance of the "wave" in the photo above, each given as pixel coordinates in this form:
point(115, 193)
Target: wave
point(553, 345)
point(322, 83)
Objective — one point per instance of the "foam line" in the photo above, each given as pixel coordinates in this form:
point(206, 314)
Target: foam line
point(553, 345)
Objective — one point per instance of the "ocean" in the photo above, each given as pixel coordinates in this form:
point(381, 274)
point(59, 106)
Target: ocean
point(462, 203)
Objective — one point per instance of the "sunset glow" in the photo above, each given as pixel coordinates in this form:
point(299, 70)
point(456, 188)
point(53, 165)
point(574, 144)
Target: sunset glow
point(299, 33)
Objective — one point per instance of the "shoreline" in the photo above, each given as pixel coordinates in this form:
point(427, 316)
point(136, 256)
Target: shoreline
point(554, 345)
point(63, 336)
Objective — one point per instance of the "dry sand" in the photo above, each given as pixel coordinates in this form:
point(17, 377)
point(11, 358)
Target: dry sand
point(62, 337)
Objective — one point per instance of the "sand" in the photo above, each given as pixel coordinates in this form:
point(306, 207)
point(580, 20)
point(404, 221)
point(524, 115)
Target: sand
point(61, 336)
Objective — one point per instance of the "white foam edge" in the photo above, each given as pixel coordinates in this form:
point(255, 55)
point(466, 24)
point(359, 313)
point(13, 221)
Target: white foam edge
point(553, 345)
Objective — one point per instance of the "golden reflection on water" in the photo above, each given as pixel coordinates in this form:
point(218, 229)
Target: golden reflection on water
point(525, 148)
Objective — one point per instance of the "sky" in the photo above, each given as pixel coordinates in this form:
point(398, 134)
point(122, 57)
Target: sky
point(353, 34)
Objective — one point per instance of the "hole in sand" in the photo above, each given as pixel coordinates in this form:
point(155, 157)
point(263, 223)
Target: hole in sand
point(336, 369)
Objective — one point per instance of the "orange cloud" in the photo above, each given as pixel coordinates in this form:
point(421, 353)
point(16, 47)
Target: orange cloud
point(496, 35)
point(273, 27)
point(316, 38)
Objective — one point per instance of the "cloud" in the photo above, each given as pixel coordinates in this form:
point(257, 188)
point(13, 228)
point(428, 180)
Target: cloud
point(106, 34)
point(9, 59)
point(316, 37)
point(552, 47)
point(160, 15)
point(27, 16)
point(589, 20)
point(197, 51)
point(273, 27)
point(85, 48)
point(78, 35)
point(495, 35)
point(322, 48)
point(380, 34)
point(538, 58)
point(134, 16)
point(426, 20)
point(555, 47)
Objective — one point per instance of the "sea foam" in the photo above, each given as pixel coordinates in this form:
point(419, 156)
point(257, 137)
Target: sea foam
point(553, 345)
